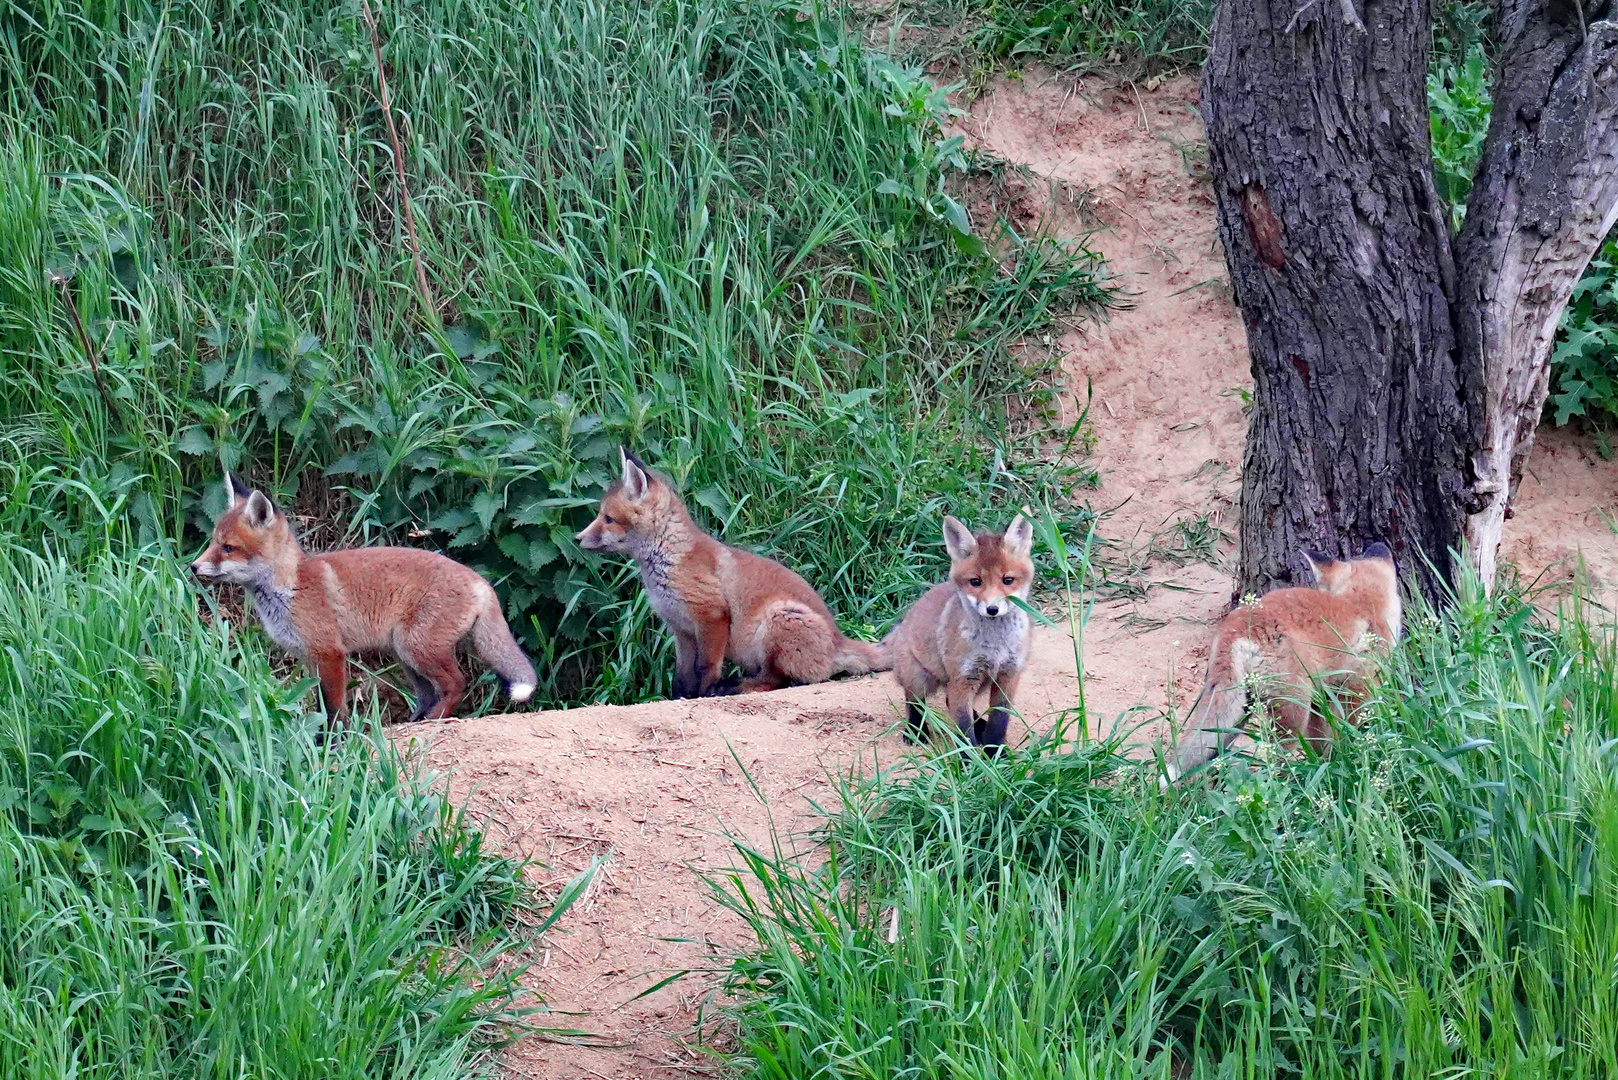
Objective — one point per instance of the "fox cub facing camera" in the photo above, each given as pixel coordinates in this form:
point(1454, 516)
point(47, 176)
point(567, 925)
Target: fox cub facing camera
point(1277, 648)
point(721, 602)
point(415, 604)
point(967, 634)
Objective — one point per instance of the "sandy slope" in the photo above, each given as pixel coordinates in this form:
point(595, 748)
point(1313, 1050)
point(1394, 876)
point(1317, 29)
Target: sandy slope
point(654, 789)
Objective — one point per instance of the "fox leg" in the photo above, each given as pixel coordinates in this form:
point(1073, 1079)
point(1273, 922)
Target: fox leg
point(331, 668)
point(426, 693)
point(990, 732)
point(438, 678)
point(960, 696)
point(768, 679)
point(915, 722)
point(686, 676)
point(712, 641)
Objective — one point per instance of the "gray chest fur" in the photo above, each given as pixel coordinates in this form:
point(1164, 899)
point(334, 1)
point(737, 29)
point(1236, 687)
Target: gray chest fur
point(996, 646)
point(274, 608)
point(656, 573)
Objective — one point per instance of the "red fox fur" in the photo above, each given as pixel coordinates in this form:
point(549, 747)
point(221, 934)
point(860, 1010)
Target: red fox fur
point(1278, 647)
point(415, 604)
point(967, 635)
point(721, 602)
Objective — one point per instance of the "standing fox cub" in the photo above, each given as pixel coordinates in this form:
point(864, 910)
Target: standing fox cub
point(721, 602)
point(415, 604)
point(1279, 646)
point(967, 634)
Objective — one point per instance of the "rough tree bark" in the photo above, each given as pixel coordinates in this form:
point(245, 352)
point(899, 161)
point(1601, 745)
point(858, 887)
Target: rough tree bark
point(1374, 347)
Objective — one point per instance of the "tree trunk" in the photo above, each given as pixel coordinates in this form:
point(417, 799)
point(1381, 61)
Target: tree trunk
point(1340, 258)
point(1397, 383)
point(1546, 194)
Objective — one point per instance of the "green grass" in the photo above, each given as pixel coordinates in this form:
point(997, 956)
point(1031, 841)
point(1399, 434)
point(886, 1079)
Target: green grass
point(188, 885)
point(1439, 898)
point(719, 231)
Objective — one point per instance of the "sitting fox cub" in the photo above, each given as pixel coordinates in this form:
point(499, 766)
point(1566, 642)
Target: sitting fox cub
point(721, 602)
point(967, 634)
point(1279, 646)
point(415, 604)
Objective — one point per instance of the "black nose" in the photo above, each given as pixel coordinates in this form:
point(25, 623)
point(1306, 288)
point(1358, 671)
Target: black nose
point(991, 610)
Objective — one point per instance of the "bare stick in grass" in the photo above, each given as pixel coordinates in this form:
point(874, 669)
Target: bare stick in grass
point(61, 281)
point(429, 308)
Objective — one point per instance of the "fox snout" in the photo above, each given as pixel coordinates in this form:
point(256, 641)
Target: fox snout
point(594, 538)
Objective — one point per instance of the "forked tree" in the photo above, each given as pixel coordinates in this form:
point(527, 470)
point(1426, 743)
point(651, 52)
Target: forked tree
point(1400, 371)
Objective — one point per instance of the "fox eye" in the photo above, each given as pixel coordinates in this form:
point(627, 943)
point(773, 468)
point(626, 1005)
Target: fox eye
point(975, 582)
point(1008, 580)
point(226, 548)
point(607, 518)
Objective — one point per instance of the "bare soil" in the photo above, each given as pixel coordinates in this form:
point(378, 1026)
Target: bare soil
point(658, 791)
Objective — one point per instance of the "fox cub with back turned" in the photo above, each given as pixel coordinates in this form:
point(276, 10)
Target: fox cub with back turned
point(967, 634)
point(719, 601)
point(415, 604)
point(1279, 646)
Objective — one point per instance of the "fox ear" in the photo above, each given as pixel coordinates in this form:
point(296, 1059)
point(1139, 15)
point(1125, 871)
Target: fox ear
point(1319, 563)
point(958, 540)
point(235, 490)
point(1020, 536)
point(634, 477)
point(259, 511)
point(1377, 550)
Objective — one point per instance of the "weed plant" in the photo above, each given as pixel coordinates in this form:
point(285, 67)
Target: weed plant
point(719, 231)
point(1439, 897)
point(189, 886)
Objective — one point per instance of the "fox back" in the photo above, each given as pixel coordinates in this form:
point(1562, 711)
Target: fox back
point(719, 601)
point(1280, 646)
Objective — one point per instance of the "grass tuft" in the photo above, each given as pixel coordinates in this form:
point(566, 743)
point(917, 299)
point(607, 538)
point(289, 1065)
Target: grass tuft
point(1438, 897)
point(190, 886)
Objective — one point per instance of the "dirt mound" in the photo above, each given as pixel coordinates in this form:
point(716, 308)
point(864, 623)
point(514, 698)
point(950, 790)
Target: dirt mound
point(653, 790)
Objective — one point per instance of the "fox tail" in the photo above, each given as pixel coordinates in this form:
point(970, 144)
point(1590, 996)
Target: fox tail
point(1210, 727)
point(859, 657)
point(492, 641)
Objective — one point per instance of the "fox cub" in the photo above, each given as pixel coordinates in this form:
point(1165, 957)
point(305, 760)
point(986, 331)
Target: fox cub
point(1278, 647)
point(967, 634)
point(721, 602)
point(415, 604)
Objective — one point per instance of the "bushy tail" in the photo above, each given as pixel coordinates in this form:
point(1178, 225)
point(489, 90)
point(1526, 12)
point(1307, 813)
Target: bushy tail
point(492, 641)
point(1210, 727)
point(859, 657)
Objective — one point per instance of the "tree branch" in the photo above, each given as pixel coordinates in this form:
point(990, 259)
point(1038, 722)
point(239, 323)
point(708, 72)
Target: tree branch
point(61, 281)
point(429, 308)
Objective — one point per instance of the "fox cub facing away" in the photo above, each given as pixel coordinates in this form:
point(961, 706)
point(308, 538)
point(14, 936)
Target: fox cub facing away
point(967, 634)
point(1278, 647)
point(415, 604)
point(721, 602)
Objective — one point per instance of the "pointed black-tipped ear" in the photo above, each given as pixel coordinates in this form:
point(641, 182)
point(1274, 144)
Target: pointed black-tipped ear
point(235, 490)
point(632, 456)
point(635, 479)
point(958, 540)
point(259, 511)
point(1378, 550)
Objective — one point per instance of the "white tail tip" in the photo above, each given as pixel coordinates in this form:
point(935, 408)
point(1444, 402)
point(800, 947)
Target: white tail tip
point(521, 692)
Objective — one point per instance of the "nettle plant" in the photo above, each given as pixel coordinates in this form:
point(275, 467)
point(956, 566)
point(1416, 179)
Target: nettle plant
point(1586, 358)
